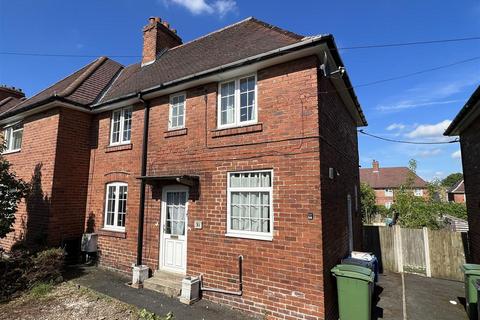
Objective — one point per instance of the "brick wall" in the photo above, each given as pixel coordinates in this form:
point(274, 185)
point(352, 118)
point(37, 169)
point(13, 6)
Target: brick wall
point(35, 164)
point(54, 158)
point(338, 150)
point(114, 164)
point(470, 144)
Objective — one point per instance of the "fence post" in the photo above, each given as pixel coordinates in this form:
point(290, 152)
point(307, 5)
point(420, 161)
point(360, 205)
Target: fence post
point(398, 247)
point(426, 245)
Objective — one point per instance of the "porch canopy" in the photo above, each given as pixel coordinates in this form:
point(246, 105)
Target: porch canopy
point(187, 180)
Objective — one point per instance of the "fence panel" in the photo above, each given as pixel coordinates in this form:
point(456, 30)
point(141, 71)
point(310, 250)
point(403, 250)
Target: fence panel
point(447, 254)
point(413, 252)
point(405, 250)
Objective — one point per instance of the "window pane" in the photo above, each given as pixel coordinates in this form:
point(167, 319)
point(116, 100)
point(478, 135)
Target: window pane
point(116, 126)
point(127, 124)
point(122, 206)
point(110, 205)
point(17, 139)
point(227, 103)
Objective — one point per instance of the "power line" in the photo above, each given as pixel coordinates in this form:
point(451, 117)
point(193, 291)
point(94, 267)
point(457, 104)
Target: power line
point(359, 47)
point(404, 75)
point(404, 44)
point(407, 142)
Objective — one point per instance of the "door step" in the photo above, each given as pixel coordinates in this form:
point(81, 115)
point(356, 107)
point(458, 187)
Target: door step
point(167, 283)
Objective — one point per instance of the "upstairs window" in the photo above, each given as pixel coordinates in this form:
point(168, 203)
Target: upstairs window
point(13, 137)
point(249, 205)
point(116, 206)
point(237, 102)
point(418, 192)
point(176, 118)
point(121, 126)
point(388, 192)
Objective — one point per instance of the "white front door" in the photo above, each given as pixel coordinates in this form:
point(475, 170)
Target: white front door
point(173, 232)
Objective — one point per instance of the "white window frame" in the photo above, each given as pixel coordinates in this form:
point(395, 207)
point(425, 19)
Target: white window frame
point(121, 128)
point(114, 227)
point(237, 122)
point(388, 192)
point(418, 192)
point(268, 236)
point(388, 204)
point(8, 132)
point(170, 111)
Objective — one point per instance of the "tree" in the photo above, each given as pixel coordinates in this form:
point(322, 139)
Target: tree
point(12, 190)
point(452, 179)
point(367, 199)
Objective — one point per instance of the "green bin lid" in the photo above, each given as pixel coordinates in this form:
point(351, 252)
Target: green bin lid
point(470, 268)
point(353, 271)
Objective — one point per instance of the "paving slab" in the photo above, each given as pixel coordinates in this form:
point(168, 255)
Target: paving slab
point(114, 285)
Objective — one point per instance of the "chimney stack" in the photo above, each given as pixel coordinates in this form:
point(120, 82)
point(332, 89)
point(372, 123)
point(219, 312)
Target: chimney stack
point(376, 166)
point(6, 91)
point(157, 37)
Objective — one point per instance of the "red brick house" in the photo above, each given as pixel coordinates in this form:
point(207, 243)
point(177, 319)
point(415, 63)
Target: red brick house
point(385, 181)
point(457, 193)
point(467, 125)
point(240, 143)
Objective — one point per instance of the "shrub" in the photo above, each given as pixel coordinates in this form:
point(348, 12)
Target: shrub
point(23, 270)
point(147, 315)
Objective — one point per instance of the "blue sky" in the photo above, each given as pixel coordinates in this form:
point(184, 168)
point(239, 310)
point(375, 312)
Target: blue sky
point(415, 108)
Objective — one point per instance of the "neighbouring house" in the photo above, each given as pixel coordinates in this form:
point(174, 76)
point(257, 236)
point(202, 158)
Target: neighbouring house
point(467, 125)
point(242, 142)
point(457, 192)
point(386, 181)
point(9, 97)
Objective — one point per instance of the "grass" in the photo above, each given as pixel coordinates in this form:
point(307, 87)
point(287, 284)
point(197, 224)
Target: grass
point(41, 290)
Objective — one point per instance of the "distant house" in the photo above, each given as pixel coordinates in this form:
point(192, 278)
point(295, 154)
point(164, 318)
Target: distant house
point(457, 192)
point(385, 182)
point(467, 125)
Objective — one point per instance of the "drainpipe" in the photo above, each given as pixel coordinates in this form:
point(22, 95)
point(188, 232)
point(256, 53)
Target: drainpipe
point(141, 209)
point(240, 282)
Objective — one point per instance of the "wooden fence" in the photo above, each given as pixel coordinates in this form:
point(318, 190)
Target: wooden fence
point(433, 253)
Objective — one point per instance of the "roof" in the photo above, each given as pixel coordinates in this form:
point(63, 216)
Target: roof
point(459, 187)
point(82, 87)
point(8, 103)
point(244, 39)
point(104, 82)
point(469, 112)
point(392, 177)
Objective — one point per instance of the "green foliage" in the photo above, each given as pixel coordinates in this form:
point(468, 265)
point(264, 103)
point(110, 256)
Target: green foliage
point(367, 199)
point(41, 289)
point(384, 212)
point(23, 270)
point(12, 190)
point(147, 315)
point(452, 179)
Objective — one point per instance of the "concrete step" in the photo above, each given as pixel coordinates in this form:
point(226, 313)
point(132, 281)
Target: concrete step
point(167, 283)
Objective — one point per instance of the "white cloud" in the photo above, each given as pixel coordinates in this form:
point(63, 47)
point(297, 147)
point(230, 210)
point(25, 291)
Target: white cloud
point(430, 130)
point(396, 126)
point(196, 7)
point(411, 104)
point(427, 153)
point(428, 95)
point(457, 154)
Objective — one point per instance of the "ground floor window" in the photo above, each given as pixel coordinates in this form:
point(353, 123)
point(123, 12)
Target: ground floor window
point(116, 206)
point(249, 207)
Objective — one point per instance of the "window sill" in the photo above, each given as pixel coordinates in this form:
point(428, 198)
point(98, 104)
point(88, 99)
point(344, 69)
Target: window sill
point(267, 237)
point(11, 151)
point(119, 147)
point(113, 233)
point(175, 132)
point(222, 132)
